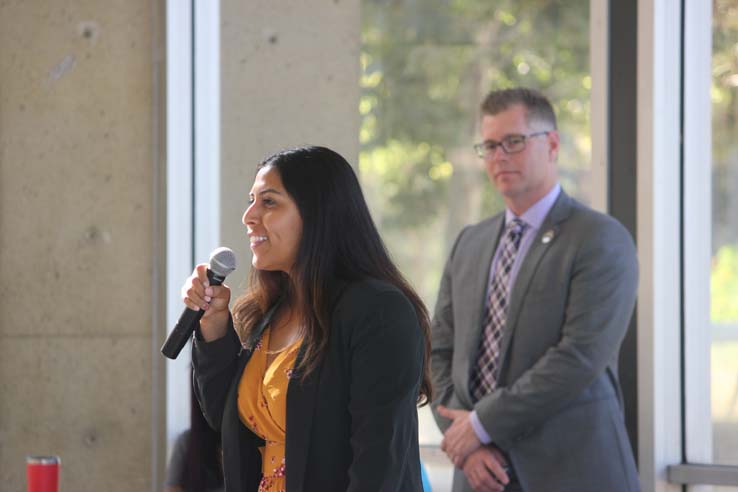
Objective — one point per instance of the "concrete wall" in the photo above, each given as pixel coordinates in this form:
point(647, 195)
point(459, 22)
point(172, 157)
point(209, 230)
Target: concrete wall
point(78, 241)
point(289, 76)
point(81, 207)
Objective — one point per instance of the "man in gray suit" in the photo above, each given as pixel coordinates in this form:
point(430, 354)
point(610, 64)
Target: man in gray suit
point(533, 305)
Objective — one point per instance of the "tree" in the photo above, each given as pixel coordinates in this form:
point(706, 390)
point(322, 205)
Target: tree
point(724, 288)
point(426, 65)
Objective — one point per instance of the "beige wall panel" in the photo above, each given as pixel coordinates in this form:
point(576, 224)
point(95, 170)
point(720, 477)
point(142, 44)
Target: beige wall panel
point(76, 242)
point(85, 399)
point(290, 76)
point(75, 175)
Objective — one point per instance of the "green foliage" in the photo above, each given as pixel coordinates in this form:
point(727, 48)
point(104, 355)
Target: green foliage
point(407, 176)
point(724, 122)
point(724, 285)
point(426, 65)
point(724, 93)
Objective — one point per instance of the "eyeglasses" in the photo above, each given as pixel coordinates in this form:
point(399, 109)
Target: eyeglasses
point(511, 144)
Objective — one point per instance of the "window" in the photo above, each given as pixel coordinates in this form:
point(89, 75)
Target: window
point(724, 251)
point(425, 68)
point(709, 238)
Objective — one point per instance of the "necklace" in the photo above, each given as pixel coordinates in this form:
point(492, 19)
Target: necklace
point(295, 336)
point(279, 351)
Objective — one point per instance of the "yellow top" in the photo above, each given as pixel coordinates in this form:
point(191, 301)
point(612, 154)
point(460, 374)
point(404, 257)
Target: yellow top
point(262, 406)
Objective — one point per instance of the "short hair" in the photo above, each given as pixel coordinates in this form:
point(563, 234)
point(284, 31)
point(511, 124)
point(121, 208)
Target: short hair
point(538, 106)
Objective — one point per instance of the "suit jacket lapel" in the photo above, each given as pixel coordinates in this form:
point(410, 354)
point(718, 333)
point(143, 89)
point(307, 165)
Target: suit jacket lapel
point(486, 255)
point(559, 212)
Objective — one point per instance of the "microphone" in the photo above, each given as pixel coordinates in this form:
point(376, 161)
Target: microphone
point(222, 262)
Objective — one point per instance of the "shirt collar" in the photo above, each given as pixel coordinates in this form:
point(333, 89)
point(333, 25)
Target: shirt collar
point(537, 213)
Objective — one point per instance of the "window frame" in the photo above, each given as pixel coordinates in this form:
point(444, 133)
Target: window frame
point(193, 171)
point(674, 188)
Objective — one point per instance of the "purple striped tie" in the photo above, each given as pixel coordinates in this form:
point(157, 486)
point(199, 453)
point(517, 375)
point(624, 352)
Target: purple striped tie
point(484, 373)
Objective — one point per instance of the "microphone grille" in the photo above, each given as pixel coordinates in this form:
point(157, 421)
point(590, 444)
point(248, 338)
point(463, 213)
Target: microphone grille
point(222, 261)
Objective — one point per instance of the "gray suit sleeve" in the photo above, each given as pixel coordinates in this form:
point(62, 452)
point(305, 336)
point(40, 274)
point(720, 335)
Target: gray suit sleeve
point(442, 343)
point(601, 296)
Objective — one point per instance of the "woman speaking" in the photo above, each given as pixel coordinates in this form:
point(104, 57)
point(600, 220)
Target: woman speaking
point(313, 378)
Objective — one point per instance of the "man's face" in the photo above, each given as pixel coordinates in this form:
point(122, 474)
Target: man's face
point(524, 177)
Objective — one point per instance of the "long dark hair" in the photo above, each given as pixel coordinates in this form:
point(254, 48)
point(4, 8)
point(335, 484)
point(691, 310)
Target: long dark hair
point(339, 243)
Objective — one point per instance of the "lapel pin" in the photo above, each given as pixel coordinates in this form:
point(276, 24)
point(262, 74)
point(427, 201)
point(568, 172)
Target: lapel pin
point(547, 236)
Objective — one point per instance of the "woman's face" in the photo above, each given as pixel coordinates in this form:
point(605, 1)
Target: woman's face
point(273, 223)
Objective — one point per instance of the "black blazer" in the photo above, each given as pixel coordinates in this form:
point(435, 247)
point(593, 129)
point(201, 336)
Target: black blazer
point(352, 423)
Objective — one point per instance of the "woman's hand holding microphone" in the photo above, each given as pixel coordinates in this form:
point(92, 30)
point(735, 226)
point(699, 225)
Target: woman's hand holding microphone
point(198, 294)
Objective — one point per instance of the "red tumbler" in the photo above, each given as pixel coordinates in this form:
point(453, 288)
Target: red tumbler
point(42, 473)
